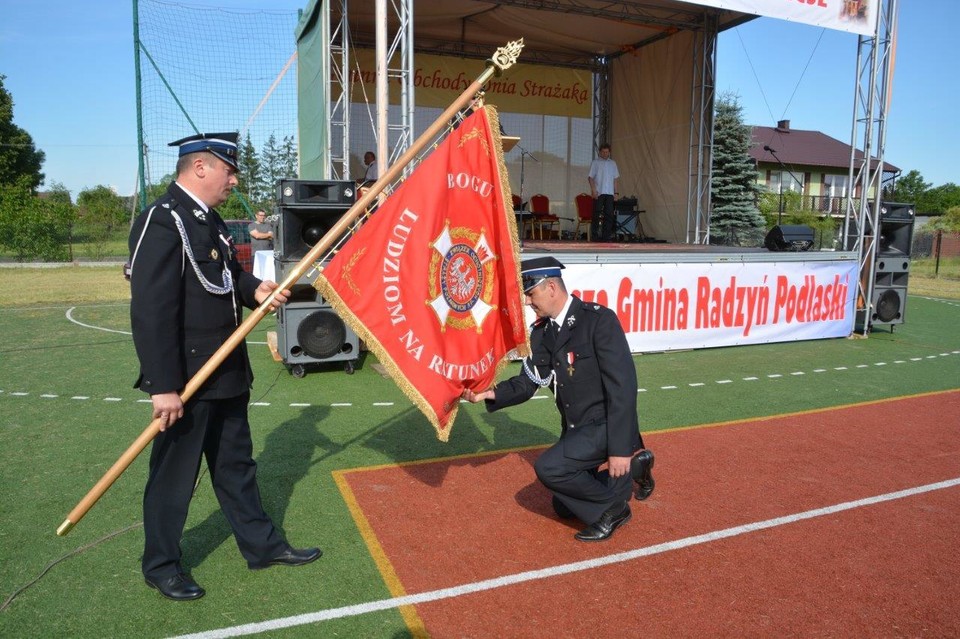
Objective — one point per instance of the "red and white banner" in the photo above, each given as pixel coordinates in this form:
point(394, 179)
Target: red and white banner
point(855, 16)
point(431, 281)
point(681, 306)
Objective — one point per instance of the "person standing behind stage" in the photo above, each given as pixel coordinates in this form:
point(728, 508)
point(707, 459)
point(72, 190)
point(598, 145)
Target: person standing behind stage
point(187, 296)
point(372, 172)
point(580, 351)
point(261, 234)
point(603, 178)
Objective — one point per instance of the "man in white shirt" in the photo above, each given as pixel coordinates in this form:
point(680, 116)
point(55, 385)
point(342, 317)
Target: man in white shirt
point(603, 178)
point(373, 167)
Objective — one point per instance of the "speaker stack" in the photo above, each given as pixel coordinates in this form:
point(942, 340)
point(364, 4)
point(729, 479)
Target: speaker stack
point(892, 264)
point(309, 331)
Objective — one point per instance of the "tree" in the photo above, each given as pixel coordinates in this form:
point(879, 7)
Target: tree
point(939, 199)
point(18, 156)
point(735, 219)
point(909, 189)
point(34, 227)
point(250, 175)
point(279, 161)
point(57, 192)
point(100, 212)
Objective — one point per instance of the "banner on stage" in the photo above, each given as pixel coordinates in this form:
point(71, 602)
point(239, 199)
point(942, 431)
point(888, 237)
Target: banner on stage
point(855, 16)
point(537, 89)
point(681, 306)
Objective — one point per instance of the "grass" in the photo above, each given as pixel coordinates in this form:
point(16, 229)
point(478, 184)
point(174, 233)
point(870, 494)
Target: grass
point(54, 446)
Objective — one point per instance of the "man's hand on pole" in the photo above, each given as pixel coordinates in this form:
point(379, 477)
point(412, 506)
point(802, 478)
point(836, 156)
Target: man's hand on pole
point(167, 407)
point(263, 292)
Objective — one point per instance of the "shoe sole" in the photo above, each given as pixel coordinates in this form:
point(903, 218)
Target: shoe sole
point(283, 563)
point(653, 484)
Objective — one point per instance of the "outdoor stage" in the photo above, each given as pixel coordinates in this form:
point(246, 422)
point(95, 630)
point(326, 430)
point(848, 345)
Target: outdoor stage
point(681, 296)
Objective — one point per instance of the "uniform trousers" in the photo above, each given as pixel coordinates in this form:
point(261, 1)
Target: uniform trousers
point(219, 431)
point(577, 483)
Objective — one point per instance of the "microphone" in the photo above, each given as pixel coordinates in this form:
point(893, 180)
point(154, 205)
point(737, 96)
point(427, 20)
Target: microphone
point(768, 149)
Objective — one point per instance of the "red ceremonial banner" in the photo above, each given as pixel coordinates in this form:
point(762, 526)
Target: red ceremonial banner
point(431, 281)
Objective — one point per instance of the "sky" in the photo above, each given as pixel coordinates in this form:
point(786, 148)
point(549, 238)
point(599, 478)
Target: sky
point(69, 68)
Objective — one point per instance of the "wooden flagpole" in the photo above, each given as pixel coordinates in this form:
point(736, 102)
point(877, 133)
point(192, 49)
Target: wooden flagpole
point(503, 59)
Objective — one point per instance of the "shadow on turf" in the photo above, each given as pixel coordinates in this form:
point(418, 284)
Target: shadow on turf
point(287, 457)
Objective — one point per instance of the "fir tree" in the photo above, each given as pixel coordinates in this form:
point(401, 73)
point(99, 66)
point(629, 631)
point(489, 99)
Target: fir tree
point(735, 219)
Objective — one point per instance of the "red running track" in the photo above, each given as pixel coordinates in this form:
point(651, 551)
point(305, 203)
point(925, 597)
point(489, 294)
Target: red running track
point(888, 569)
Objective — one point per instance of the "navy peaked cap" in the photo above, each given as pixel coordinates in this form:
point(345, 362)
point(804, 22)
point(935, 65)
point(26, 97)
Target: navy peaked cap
point(222, 145)
point(537, 269)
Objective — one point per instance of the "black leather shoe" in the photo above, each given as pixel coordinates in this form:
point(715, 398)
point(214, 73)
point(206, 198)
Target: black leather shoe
point(561, 509)
point(614, 517)
point(289, 557)
point(641, 467)
point(180, 587)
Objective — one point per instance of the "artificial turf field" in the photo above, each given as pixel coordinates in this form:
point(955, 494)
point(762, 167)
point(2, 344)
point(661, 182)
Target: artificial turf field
point(804, 489)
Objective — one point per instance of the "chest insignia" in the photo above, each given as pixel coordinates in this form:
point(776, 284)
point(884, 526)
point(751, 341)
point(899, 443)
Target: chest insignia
point(214, 254)
point(200, 215)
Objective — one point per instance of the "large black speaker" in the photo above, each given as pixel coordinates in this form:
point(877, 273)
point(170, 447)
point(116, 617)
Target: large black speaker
point(789, 237)
point(307, 210)
point(889, 300)
point(309, 331)
point(896, 229)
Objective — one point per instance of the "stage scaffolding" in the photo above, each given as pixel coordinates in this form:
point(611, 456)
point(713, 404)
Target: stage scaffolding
point(869, 127)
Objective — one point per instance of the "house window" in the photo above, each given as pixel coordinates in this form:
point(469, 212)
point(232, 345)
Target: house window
point(835, 185)
point(789, 183)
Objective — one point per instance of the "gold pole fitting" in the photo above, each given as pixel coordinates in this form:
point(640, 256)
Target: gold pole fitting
point(506, 56)
point(65, 527)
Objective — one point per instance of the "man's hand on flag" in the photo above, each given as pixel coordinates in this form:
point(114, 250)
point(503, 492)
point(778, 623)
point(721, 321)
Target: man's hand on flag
point(471, 396)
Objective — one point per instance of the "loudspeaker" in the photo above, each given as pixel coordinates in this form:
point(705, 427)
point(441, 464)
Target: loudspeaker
point(310, 332)
point(890, 277)
point(896, 229)
point(307, 210)
point(789, 237)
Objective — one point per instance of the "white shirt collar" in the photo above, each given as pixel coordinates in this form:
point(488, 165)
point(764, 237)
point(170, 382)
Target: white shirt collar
point(195, 198)
point(563, 312)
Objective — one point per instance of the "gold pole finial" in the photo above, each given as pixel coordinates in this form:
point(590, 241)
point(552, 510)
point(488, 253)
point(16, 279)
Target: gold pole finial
point(506, 56)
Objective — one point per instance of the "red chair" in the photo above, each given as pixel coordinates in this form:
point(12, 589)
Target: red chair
point(585, 206)
point(540, 207)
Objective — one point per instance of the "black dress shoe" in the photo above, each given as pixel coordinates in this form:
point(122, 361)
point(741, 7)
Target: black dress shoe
point(289, 557)
point(641, 467)
point(180, 587)
point(612, 518)
point(561, 509)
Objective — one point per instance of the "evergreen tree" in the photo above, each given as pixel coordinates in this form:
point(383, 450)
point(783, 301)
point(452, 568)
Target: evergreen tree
point(735, 219)
point(250, 175)
point(20, 161)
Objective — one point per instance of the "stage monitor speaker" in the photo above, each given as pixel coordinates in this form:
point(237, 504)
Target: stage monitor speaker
point(896, 229)
point(789, 237)
point(889, 300)
point(316, 193)
point(312, 333)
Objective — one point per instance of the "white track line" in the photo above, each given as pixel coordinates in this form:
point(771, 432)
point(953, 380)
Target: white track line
point(555, 571)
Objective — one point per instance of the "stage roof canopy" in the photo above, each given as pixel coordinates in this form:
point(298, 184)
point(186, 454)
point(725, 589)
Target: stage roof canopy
point(559, 32)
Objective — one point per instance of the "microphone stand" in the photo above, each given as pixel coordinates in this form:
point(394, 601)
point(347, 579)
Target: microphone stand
point(773, 152)
point(523, 153)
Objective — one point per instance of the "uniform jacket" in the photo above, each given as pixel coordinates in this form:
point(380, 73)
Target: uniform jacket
point(177, 324)
point(595, 386)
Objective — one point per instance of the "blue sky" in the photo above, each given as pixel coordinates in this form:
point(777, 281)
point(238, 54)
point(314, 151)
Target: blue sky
point(69, 67)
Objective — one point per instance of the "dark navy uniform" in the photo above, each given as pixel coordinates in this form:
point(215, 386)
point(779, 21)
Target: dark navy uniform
point(184, 305)
point(595, 387)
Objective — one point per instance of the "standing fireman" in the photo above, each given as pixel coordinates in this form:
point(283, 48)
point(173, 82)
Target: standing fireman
point(187, 297)
point(580, 351)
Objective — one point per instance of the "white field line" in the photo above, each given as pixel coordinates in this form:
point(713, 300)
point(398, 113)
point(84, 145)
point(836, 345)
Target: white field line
point(563, 569)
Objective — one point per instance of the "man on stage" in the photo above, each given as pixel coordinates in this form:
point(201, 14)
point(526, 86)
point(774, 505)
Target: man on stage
point(603, 178)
